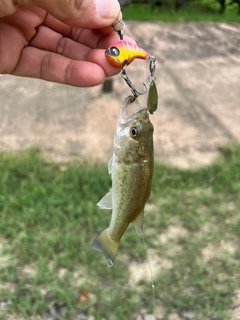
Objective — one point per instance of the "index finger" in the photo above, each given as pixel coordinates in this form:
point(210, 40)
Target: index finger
point(95, 39)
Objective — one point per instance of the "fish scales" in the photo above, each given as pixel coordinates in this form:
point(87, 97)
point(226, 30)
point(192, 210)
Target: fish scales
point(131, 169)
point(126, 191)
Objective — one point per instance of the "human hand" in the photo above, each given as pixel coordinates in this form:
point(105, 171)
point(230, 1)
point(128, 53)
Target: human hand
point(58, 40)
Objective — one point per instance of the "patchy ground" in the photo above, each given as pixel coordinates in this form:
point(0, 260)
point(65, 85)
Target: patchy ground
point(198, 83)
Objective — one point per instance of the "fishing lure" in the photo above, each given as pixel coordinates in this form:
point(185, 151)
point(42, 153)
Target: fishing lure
point(122, 53)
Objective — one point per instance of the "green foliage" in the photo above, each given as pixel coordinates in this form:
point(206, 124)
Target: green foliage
point(48, 218)
point(192, 10)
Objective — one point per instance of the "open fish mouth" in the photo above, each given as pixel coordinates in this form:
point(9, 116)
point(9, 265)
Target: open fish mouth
point(130, 108)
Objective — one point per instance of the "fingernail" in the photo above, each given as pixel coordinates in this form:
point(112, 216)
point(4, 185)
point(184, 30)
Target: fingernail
point(107, 9)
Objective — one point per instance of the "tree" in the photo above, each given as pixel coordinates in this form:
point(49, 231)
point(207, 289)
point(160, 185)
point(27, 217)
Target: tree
point(222, 5)
point(236, 2)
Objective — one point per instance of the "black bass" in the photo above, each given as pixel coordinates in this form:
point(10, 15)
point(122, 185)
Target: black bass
point(131, 169)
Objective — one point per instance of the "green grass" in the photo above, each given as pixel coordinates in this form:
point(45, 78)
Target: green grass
point(207, 10)
point(48, 218)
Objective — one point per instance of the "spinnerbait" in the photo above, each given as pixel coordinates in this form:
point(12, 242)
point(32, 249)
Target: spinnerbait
point(122, 53)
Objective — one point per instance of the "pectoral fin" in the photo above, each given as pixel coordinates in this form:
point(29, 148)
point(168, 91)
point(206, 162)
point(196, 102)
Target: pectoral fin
point(110, 166)
point(106, 245)
point(138, 222)
point(106, 201)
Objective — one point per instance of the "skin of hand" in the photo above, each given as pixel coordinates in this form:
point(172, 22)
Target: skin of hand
point(59, 40)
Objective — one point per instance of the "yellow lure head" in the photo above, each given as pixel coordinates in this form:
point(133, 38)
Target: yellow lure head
point(123, 53)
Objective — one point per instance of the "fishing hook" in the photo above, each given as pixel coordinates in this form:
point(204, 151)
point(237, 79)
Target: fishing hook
point(129, 83)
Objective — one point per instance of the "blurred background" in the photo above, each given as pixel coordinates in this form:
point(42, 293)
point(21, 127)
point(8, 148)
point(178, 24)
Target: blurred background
point(55, 142)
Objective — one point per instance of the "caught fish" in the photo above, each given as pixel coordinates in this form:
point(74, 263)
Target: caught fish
point(131, 169)
point(123, 53)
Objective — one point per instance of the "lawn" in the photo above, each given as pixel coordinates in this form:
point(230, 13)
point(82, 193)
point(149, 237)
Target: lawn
point(48, 218)
point(205, 10)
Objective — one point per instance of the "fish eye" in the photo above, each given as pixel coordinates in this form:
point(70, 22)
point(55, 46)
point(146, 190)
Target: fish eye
point(114, 51)
point(134, 132)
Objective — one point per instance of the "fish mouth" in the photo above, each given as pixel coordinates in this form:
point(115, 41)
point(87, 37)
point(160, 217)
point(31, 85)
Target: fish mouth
point(130, 108)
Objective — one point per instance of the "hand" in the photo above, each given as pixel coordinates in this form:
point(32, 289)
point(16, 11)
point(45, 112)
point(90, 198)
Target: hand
point(58, 40)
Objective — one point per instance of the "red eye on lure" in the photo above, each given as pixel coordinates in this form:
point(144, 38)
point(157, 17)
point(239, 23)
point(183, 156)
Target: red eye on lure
point(123, 53)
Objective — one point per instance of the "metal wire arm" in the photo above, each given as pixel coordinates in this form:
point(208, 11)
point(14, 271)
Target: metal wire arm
point(129, 83)
point(119, 30)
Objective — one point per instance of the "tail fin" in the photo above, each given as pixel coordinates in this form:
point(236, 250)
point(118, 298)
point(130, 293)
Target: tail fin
point(106, 245)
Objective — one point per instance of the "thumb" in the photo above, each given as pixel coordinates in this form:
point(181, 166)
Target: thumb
point(7, 7)
point(89, 14)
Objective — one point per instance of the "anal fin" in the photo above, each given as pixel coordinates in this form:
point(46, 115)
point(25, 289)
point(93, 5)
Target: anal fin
point(138, 222)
